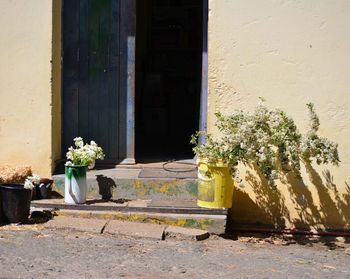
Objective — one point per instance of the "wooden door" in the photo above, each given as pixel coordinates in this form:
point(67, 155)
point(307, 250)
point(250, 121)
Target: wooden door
point(96, 77)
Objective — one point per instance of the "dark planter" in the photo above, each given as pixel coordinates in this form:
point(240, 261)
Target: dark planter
point(0, 210)
point(44, 189)
point(15, 200)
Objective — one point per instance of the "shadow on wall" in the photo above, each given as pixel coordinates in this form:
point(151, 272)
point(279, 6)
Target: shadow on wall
point(331, 211)
point(106, 186)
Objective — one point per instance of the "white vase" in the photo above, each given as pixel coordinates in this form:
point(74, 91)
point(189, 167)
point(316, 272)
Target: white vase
point(75, 186)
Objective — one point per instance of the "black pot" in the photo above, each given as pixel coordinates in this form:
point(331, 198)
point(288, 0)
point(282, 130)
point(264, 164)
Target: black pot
point(15, 200)
point(43, 190)
point(0, 210)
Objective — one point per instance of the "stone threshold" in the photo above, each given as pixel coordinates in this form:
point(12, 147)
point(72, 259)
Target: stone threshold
point(123, 205)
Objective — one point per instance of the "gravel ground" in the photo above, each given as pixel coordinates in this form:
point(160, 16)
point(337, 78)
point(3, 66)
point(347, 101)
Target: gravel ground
point(34, 252)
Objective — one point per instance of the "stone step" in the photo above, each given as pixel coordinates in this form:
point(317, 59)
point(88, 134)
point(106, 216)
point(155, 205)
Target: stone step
point(175, 213)
point(134, 229)
point(129, 183)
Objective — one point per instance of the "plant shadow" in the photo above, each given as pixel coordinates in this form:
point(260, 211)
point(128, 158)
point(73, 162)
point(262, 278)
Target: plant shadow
point(40, 217)
point(330, 242)
point(269, 205)
point(105, 186)
point(316, 207)
point(118, 201)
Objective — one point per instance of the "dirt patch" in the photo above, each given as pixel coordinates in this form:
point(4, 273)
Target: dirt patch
point(49, 253)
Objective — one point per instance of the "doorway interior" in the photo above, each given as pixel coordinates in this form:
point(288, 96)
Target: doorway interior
point(169, 46)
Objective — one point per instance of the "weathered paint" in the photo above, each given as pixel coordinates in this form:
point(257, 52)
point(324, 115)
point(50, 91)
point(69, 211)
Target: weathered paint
point(25, 84)
point(78, 172)
point(128, 31)
point(203, 119)
point(130, 101)
point(212, 225)
point(171, 188)
point(180, 189)
point(191, 188)
point(290, 53)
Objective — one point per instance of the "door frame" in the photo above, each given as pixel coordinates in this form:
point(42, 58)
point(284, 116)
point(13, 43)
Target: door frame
point(128, 56)
point(203, 115)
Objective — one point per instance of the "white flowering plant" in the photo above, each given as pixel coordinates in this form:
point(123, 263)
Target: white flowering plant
point(84, 154)
point(263, 138)
point(31, 181)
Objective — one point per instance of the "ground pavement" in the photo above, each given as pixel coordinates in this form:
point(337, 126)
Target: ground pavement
point(66, 249)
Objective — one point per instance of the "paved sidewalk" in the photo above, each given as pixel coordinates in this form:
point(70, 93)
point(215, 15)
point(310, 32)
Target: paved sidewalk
point(36, 251)
point(116, 227)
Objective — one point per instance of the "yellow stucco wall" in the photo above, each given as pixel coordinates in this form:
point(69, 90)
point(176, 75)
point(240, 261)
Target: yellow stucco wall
point(25, 83)
point(290, 53)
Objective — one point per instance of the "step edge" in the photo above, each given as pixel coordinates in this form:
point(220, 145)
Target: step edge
point(201, 211)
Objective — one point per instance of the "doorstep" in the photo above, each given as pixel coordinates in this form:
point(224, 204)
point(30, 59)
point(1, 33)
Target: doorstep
point(175, 213)
point(159, 193)
point(151, 181)
point(117, 227)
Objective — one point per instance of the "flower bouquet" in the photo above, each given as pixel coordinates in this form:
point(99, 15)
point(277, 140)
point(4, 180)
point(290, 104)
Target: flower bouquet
point(80, 158)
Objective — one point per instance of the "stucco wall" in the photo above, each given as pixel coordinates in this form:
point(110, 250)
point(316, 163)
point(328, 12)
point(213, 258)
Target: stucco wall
point(290, 53)
point(25, 86)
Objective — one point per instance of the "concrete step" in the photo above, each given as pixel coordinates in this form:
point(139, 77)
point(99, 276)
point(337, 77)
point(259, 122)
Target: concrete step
point(137, 183)
point(117, 227)
point(175, 213)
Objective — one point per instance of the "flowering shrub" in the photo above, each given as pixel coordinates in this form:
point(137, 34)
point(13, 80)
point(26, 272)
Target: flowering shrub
point(31, 181)
point(263, 138)
point(84, 155)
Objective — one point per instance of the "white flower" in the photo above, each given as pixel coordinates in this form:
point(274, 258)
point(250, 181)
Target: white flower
point(78, 141)
point(274, 174)
point(265, 137)
point(28, 184)
point(84, 155)
point(69, 164)
point(92, 165)
point(262, 157)
point(93, 143)
point(31, 181)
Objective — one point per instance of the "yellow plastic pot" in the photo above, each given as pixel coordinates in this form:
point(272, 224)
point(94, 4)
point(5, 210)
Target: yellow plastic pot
point(215, 185)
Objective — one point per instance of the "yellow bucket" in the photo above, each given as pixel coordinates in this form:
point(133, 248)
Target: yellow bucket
point(215, 185)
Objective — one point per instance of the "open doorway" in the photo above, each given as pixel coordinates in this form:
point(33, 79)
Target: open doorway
point(169, 45)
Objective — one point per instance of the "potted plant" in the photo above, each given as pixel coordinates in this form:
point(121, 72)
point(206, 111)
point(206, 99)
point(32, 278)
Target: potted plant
point(266, 138)
point(42, 187)
point(79, 159)
point(32, 182)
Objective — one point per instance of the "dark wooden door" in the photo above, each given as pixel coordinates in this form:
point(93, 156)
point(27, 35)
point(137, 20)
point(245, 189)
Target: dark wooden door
point(95, 73)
